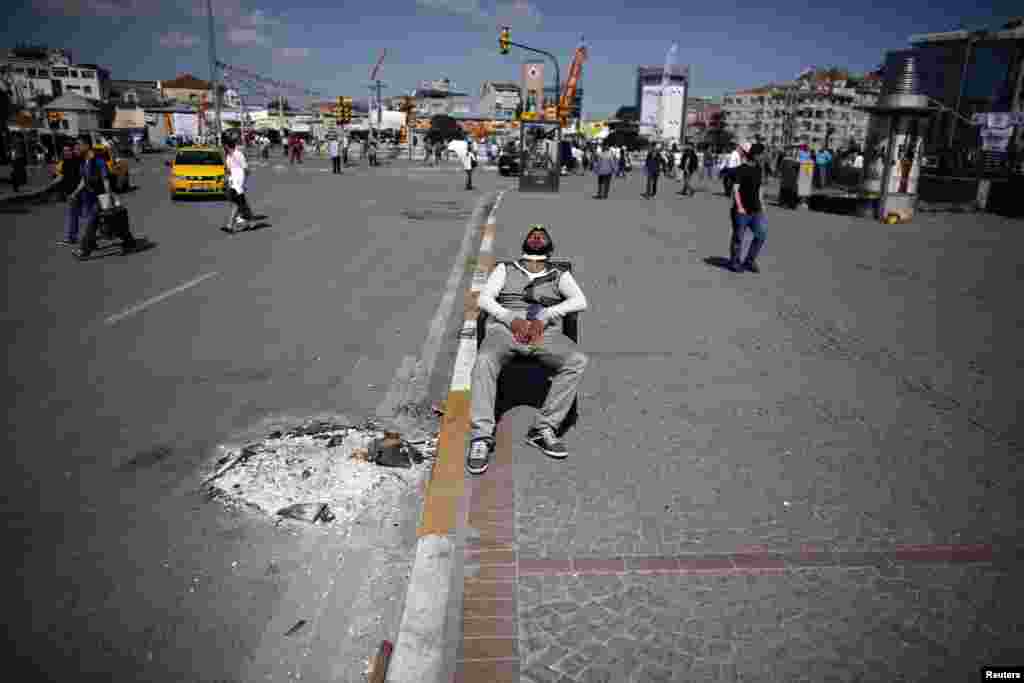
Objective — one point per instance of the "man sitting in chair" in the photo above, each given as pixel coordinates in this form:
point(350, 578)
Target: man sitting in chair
point(526, 302)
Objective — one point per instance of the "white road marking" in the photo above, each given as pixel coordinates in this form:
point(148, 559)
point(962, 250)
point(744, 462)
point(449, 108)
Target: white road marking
point(157, 299)
point(462, 375)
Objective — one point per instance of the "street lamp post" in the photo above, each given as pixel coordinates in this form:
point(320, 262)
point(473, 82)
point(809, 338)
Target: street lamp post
point(213, 69)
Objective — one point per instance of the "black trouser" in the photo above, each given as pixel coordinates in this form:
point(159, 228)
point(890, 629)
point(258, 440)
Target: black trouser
point(336, 164)
point(728, 180)
point(687, 175)
point(469, 179)
point(652, 184)
point(604, 183)
point(115, 225)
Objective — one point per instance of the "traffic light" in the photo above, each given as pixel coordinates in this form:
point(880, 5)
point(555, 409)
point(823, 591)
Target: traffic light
point(504, 41)
point(339, 108)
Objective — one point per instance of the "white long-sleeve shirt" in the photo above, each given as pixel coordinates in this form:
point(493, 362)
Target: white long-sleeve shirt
point(237, 168)
point(488, 301)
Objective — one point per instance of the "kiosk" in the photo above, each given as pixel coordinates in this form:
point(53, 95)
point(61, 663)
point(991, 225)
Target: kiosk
point(539, 166)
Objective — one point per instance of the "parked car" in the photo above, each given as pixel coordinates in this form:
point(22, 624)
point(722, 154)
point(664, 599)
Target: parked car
point(508, 161)
point(197, 171)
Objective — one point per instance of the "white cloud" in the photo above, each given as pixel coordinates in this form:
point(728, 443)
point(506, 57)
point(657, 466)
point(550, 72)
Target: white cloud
point(464, 7)
point(242, 26)
point(519, 13)
point(101, 8)
point(246, 36)
point(513, 13)
point(177, 40)
point(291, 52)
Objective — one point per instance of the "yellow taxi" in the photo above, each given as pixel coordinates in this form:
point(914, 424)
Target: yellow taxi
point(197, 172)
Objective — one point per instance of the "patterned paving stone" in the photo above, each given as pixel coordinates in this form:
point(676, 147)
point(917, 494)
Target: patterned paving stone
point(822, 624)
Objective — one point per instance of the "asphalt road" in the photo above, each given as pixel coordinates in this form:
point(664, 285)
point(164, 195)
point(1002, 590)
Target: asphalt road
point(125, 371)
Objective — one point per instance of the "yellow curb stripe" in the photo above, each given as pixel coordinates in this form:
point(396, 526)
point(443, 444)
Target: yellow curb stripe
point(447, 480)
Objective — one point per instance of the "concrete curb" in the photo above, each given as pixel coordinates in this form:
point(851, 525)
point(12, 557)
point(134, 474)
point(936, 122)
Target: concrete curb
point(420, 646)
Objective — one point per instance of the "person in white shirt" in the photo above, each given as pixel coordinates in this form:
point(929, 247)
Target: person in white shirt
point(526, 301)
point(237, 169)
point(334, 150)
point(732, 162)
point(469, 162)
point(577, 156)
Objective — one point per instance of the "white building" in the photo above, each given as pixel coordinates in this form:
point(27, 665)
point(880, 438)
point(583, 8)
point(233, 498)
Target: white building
point(72, 114)
point(499, 100)
point(821, 113)
point(28, 73)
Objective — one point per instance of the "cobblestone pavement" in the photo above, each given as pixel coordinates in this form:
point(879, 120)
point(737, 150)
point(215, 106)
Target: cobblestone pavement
point(858, 398)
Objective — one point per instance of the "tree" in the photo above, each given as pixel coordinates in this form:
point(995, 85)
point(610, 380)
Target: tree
point(627, 113)
point(443, 129)
point(719, 138)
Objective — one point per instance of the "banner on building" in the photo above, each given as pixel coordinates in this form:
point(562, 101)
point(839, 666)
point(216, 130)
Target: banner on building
point(670, 117)
point(533, 86)
point(650, 95)
point(129, 118)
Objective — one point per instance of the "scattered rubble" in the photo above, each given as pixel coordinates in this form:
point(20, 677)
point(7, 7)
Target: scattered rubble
point(321, 471)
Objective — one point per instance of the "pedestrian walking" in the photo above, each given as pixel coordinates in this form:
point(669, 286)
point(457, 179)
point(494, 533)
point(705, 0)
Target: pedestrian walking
point(823, 162)
point(677, 161)
point(688, 165)
point(653, 166)
point(237, 168)
point(732, 162)
point(519, 327)
point(604, 168)
point(69, 175)
point(333, 149)
point(19, 167)
point(94, 180)
point(469, 162)
point(371, 151)
point(621, 161)
point(747, 210)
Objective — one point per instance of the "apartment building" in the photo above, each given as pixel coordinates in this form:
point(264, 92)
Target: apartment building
point(820, 114)
point(30, 73)
point(499, 99)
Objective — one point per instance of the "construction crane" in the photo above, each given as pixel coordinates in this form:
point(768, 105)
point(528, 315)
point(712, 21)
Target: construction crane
point(375, 82)
point(571, 82)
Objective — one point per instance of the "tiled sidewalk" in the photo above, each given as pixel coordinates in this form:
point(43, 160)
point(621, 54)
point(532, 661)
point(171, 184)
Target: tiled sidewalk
point(780, 477)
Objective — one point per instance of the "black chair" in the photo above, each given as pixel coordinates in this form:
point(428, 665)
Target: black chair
point(524, 381)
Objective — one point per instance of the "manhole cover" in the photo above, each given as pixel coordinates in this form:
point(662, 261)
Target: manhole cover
point(319, 471)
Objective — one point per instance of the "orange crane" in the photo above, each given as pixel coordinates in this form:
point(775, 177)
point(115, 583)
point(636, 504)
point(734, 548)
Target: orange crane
point(569, 91)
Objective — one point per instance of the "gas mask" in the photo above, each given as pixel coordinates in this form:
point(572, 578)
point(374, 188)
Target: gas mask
point(538, 245)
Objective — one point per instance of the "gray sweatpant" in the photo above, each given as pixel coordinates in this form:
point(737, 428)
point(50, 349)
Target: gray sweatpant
point(557, 352)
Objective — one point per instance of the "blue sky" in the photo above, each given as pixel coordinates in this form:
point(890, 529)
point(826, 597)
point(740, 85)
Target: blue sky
point(332, 45)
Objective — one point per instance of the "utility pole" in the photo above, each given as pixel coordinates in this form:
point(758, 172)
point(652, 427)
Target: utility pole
point(213, 69)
